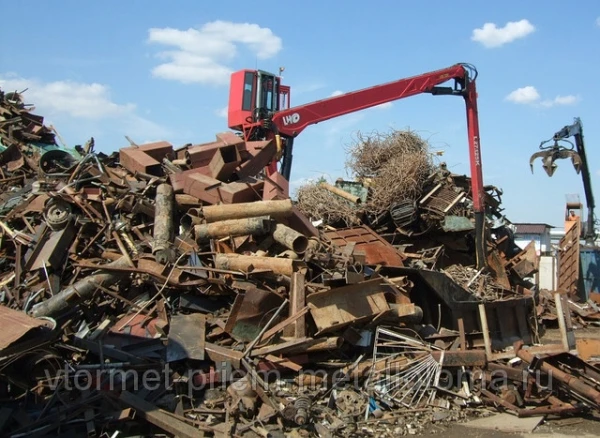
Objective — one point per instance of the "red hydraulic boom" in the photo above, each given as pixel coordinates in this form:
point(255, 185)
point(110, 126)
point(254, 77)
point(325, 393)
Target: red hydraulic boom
point(259, 107)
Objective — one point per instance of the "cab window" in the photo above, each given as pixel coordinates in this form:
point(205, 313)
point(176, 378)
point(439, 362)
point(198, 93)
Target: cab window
point(248, 91)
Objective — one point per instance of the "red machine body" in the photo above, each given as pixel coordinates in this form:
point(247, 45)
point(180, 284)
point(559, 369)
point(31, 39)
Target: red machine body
point(251, 89)
point(259, 107)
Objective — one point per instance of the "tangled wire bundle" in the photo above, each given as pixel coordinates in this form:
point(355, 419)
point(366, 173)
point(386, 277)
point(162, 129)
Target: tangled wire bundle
point(319, 203)
point(480, 284)
point(395, 165)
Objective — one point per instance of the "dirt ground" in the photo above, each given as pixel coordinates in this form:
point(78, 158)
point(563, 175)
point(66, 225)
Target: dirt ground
point(556, 428)
point(571, 426)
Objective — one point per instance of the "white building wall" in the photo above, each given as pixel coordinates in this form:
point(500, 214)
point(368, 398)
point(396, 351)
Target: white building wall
point(545, 242)
point(542, 241)
point(547, 273)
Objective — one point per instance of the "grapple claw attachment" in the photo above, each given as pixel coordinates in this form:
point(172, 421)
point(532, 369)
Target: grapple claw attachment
point(549, 157)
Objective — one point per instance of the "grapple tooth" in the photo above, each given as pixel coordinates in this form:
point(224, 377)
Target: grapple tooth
point(576, 160)
point(548, 164)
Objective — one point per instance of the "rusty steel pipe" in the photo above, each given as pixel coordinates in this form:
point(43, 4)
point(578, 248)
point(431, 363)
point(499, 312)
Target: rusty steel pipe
point(571, 381)
point(255, 226)
point(164, 227)
point(244, 263)
point(341, 193)
point(81, 290)
point(290, 238)
point(242, 210)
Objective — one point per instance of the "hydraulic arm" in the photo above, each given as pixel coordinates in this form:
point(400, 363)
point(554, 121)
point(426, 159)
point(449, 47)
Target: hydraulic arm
point(273, 120)
point(549, 154)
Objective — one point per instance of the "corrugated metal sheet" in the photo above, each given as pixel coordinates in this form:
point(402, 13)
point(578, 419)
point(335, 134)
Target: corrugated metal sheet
point(532, 228)
point(377, 250)
point(15, 325)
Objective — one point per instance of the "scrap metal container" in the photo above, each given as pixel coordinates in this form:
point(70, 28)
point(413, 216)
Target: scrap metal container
point(589, 257)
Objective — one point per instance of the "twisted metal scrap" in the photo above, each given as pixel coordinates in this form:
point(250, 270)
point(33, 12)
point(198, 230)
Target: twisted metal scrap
point(395, 165)
point(319, 203)
point(480, 284)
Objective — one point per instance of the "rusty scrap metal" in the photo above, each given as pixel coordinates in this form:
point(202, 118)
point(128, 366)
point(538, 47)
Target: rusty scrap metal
point(254, 226)
point(117, 265)
point(164, 230)
point(277, 209)
point(578, 386)
point(81, 290)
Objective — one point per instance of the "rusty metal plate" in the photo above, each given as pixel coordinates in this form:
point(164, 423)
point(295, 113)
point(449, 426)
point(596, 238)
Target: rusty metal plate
point(568, 260)
point(250, 313)
point(377, 250)
point(16, 325)
point(589, 349)
point(136, 160)
point(342, 306)
point(186, 337)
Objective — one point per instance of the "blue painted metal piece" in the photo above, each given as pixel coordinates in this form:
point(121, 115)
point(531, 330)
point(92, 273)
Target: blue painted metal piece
point(590, 270)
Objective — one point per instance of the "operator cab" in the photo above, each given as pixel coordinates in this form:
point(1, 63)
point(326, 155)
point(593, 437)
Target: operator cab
point(255, 95)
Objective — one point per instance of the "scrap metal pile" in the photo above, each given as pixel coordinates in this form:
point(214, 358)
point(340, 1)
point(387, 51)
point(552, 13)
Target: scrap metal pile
point(180, 292)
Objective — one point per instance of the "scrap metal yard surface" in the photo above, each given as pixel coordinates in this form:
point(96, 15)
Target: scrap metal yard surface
point(179, 291)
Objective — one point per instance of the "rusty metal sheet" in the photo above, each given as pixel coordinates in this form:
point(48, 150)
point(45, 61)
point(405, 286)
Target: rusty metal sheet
point(213, 191)
point(526, 263)
point(276, 187)
point(15, 325)
point(342, 306)
point(377, 250)
point(589, 349)
point(186, 337)
point(200, 155)
point(224, 162)
point(135, 160)
point(568, 260)
point(157, 150)
point(55, 249)
point(262, 152)
point(247, 316)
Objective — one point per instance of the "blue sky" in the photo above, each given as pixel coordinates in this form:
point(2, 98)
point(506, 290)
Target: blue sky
point(156, 70)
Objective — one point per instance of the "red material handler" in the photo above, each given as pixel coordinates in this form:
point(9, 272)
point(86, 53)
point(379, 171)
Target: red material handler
point(259, 107)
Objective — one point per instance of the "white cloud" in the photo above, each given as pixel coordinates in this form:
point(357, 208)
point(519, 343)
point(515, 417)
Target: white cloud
point(386, 105)
point(81, 101)
point(202, 55)
point(598, 21)
point(530, 96)
point(524, 95)
point(308, 87)
point(222, 112)
point(336, 93)
point(560, 100)
point(492, 36)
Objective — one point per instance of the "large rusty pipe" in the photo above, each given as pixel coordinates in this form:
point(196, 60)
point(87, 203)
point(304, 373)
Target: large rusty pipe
point(244, 263)
point(81, 290)
point(571, 381)
point(164, 227)
point(290, 238)
point(255, 226)
point(242, 210)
